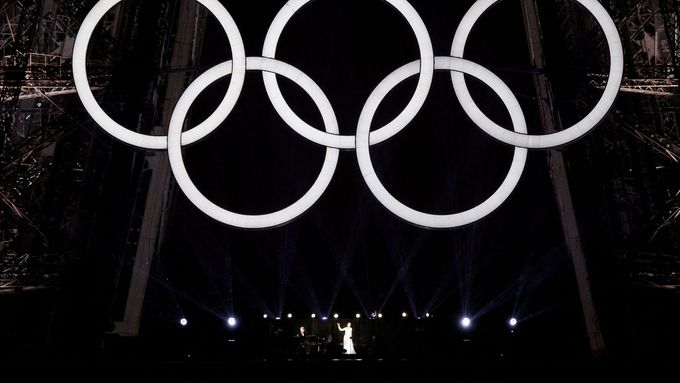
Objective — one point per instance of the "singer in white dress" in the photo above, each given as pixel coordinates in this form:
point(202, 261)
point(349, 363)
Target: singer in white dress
point(347, 343)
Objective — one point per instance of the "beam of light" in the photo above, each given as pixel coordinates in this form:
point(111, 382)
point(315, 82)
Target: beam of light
point(403, 265)
point(344, 260)
point(304, 287)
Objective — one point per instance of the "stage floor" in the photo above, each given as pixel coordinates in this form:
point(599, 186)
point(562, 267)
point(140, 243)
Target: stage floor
point(338, 370)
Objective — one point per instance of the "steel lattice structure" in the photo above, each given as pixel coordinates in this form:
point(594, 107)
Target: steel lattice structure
point(36, 38)
point(643, 133)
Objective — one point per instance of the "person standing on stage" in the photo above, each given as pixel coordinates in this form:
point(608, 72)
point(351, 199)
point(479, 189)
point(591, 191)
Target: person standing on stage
point(347, 343)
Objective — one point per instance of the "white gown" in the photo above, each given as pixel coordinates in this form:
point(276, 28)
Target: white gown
point(347, 343)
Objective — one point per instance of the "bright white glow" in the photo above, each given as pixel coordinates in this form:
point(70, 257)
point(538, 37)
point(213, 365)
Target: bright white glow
point(289, 315)
point(313, 315)
point(335, 140)
point(208, 207)
point(465, 322)
point(278, 318)
point(324, 318)
point(380, 315)
point(231, 321)
point(512, 322)
point(336, 316)
point(554, 139)
point(404, 315)
point(265, 316)
point(183, 321)
point(427, 315)
point(358, 316)
point(434, 220)
point(142, 140)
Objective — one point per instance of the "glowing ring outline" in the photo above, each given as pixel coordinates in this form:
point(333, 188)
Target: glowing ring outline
point(143, 140)
point(566, 135)
point(243, 220)
point(416, 217)
point(346, 141)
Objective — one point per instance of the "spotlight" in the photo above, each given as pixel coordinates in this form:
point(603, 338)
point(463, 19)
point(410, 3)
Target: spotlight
point(358, 316)
point(324, 318)
point(404, 315)
point(336, 315)
point(512, 322)
point(289, 315)
point(265, 316)
point(427, 315)
point(183, 321)
point(465, 322)
point(313, 315)
point(231, 321)
point(278, 318)
point(379, 315)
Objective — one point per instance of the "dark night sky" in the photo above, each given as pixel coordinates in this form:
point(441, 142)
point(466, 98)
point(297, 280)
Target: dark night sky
point(348, 253)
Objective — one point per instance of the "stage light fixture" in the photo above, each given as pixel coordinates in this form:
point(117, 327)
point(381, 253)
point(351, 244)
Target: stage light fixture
point(231, 321)
point(265, 316)
point(427, 315)
point(512, 322)
point(324, 318)
point(404, 315)
point(313, 315)
point(183, 321)
point(289, 315)
point(379, 315)
point(465, 322)
point(358, 316)
point(336, 316)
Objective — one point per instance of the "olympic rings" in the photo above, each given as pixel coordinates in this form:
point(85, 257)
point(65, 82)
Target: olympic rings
point(238, 53)
point(347, 142)
point(331, 138)
point(431, 220)
point(239, 220)
point(562, 137)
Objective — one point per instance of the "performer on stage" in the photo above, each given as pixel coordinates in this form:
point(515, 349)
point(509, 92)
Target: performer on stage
point(347, 343)
point(304, 344)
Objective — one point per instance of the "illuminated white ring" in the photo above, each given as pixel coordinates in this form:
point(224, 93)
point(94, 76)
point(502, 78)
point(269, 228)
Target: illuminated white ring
point(553, 139)
point(147, 141)
point(433, 220)
point(344, 141)
point(241, 220)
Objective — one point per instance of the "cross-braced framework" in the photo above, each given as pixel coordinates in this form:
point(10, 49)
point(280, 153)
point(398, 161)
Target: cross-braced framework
point(641, 138)
point(36, 39)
